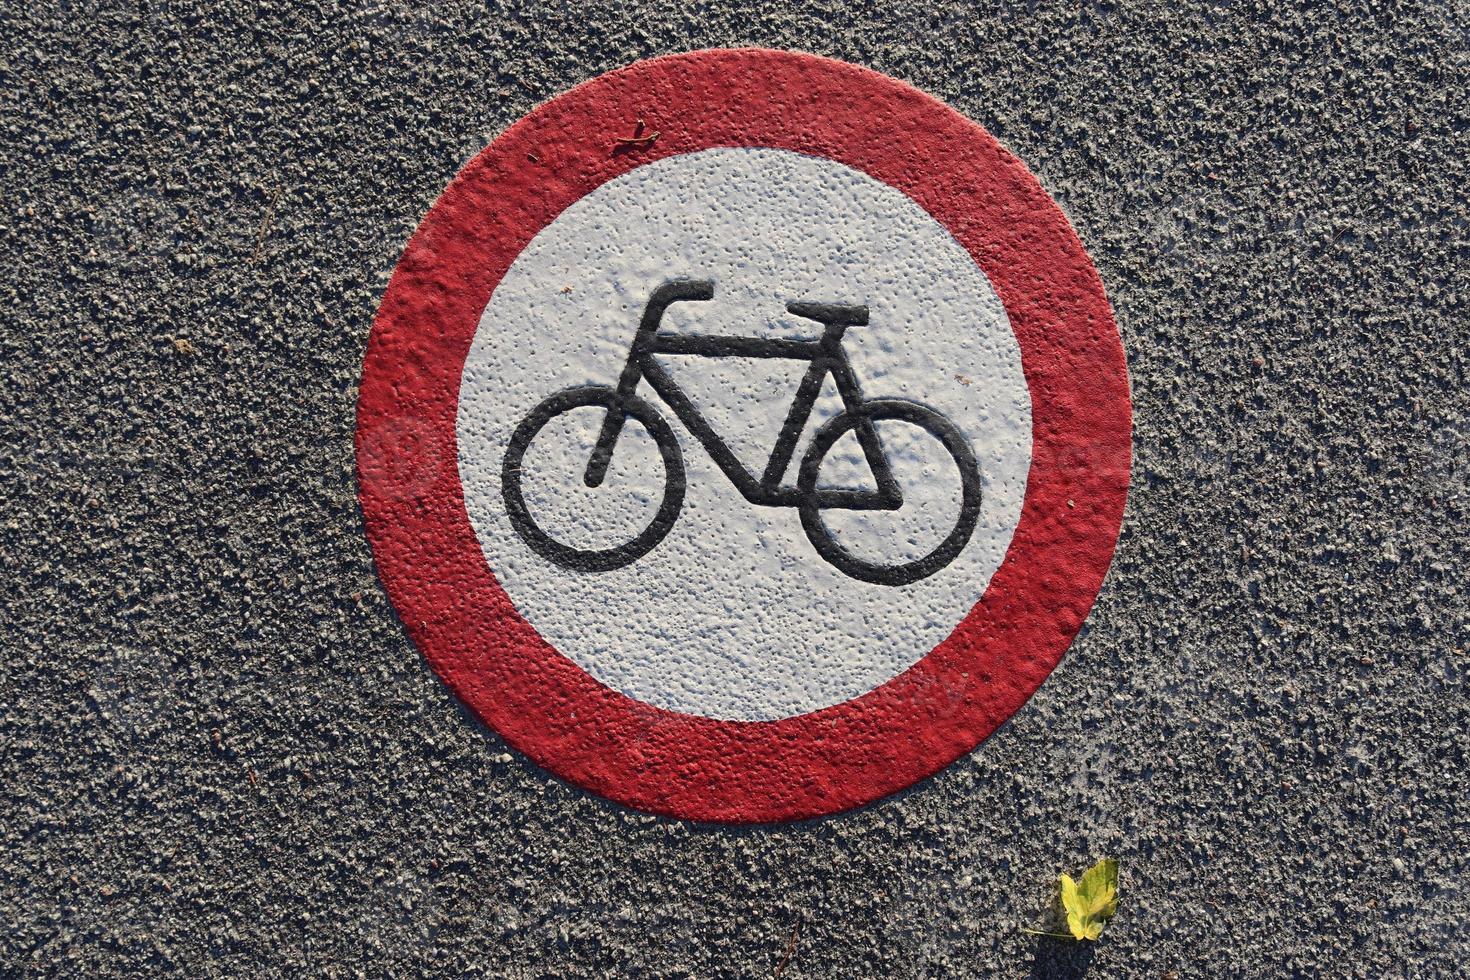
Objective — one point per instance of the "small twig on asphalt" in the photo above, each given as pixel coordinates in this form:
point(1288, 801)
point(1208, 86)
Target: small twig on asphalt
point(790, 949)
point(265, 224)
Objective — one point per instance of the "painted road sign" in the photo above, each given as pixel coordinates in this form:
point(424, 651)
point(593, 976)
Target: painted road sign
point(744, 435)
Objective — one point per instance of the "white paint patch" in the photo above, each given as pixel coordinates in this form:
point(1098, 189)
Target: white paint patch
point(734, 615)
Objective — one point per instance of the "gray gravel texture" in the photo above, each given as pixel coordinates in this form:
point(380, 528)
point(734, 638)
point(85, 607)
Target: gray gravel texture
point(222, 756)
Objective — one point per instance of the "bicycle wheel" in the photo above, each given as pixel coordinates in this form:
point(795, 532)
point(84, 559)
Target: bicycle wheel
point(592, 559)
point(829, 545)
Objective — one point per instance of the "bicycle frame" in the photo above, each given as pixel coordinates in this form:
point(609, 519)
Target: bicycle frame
point(826, 356)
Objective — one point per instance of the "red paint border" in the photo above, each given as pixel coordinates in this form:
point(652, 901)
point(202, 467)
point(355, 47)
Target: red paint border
point(682, 765)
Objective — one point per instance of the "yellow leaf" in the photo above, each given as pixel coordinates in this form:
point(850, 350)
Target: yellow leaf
point(1092, 901)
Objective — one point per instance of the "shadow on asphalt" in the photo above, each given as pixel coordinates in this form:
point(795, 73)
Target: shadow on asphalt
point(1057, 959)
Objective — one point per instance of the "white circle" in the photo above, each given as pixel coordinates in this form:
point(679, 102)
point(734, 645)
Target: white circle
point(734, 615)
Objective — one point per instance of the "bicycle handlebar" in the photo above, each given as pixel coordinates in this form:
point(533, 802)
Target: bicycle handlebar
point(832, 314)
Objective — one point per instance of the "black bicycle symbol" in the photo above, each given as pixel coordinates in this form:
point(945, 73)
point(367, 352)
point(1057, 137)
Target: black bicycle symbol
point(827, 357)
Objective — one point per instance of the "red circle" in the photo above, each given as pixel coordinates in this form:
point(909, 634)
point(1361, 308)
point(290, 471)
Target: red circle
point(684, 765)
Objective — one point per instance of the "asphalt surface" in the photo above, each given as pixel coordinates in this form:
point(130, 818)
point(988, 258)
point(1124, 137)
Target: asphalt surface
point(221, 754)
